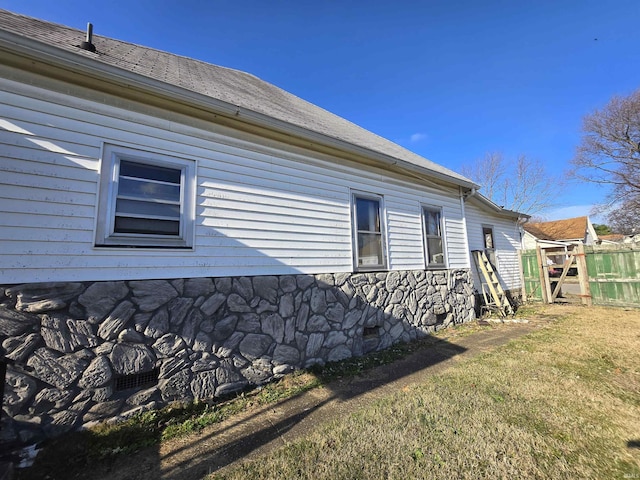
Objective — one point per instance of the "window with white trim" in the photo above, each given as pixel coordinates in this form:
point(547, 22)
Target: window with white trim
point(368, 226)
point(433, 238)
point(489, 244)
point(146, 199)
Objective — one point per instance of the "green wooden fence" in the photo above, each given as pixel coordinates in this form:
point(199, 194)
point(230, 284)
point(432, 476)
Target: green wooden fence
point(614, 276)
point(531, 274)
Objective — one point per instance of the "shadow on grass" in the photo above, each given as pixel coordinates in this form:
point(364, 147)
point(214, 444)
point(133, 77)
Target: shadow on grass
point(200, 454)
point(298, 409)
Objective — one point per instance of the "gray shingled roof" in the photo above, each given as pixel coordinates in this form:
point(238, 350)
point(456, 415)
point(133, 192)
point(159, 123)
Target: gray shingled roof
point(232, 86)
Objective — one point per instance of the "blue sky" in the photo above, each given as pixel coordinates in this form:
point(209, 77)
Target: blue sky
point(450, 80)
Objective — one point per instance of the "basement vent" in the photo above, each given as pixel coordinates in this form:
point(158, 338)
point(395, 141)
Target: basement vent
point(440, 318)
point(371, 332)
point(136, 380)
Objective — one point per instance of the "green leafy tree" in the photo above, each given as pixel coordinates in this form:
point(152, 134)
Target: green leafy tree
point(602, 229)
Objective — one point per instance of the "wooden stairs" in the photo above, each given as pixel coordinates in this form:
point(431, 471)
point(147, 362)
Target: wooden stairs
point(497, 299)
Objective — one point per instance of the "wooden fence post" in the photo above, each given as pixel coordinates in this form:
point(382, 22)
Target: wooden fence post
point(523, 289)
point(544, 275)
point(583, 276)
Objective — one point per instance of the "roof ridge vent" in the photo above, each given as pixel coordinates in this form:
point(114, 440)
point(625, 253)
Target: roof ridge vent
point(88, 43)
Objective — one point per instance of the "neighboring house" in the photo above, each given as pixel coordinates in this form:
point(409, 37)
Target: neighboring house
point(172, 230)
point(574, 231)
point(559, 236)
point(612, 239)
point(618, 239)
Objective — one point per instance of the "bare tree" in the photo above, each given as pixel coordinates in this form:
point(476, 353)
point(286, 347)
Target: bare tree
point(488, 172)
point(521, 184)
point(625, 218)
point(609, 154)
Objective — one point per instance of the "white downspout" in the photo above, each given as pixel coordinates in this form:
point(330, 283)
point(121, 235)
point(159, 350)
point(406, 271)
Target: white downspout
point(463, 198)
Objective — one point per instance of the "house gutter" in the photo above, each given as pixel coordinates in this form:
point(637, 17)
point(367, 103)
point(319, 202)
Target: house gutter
point(80, 63)
point(494, 206)
point(463, 198)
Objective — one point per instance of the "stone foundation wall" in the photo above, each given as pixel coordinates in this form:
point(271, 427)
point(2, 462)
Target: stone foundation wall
point(71, 348)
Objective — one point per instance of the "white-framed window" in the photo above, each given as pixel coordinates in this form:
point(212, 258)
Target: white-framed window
point(146, 199)
point(369, 245)
point(489, 244)
point(433, 237)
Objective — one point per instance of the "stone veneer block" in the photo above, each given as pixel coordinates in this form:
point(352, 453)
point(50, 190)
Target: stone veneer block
point(204, 337)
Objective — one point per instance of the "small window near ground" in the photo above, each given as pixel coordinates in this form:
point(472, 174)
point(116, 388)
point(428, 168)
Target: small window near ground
point(433, 241)
point(146, 200)
point(369, 242)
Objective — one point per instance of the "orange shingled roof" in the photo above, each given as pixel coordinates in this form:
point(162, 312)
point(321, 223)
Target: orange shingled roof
point(613, 237)
point(569, 229)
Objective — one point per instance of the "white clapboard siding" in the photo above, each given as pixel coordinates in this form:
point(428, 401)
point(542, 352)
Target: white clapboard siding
point(262, 207)
point(506, 237)
point(18, 193)
point(43, 146)
point(456, 242)
point(404, 236)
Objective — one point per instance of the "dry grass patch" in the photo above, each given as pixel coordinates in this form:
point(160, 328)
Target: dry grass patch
point(563, 403)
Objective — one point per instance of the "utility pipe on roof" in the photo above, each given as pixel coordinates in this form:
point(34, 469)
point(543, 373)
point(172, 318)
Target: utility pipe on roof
point(88, 43)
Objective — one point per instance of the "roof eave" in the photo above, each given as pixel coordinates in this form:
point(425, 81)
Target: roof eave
point(498, 209)
point(84, 65)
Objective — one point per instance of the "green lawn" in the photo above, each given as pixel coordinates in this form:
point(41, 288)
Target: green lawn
point(561, 403)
